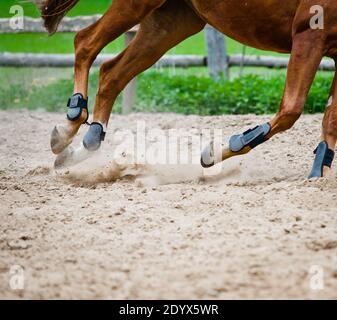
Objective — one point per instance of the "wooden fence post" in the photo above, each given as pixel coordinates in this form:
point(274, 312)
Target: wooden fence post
point(129, 93)
point(217, 53)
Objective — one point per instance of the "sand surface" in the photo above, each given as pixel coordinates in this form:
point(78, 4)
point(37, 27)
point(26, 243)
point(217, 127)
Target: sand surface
point(100, 230)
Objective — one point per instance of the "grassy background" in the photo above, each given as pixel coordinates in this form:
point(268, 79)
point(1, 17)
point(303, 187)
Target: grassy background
point(188, 91)
point(162, 91)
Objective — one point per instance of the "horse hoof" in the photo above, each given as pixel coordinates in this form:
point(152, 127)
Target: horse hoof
point(215, 153)
point(207, 159)
point(58, 141)
point(70, 157)
point(64, 159)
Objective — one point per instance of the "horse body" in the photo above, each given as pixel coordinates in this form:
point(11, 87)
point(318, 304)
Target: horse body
point(282, 26)
point(251, 22)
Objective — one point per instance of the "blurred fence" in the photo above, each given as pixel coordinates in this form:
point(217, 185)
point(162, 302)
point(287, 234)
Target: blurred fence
point(217, 59)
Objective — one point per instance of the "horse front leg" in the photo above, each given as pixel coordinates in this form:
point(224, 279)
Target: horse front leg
point(307, 52)
point(120, 17)
point(161, 30)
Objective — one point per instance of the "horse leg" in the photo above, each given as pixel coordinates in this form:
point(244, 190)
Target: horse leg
point(159, 32)
point(307, 52)
point(325, 150)
point(120, 17)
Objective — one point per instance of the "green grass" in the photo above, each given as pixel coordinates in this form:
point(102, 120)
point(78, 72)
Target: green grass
point(63, 43)
point(252, 93)
point(178, 91)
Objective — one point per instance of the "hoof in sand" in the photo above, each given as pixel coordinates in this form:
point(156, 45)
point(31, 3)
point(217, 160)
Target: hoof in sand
point(211, 155)
point(207, 156)
point(70, 157)
point(58, 141)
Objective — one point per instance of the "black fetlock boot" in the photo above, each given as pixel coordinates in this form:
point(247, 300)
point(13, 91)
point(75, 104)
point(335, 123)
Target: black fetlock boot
point(324, 158)
point(92, 140)
point(76, 104)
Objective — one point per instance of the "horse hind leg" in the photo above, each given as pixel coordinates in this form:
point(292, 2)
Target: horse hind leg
point(325, 150)
point(120, 17)
point(160, 31)
point(303, 65)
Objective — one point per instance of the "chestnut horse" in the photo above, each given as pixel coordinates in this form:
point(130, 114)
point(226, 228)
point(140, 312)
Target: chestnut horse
point(282, 26)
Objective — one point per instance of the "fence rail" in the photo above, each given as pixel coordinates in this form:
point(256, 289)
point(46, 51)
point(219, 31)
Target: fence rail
point(67, 60)
point(178, 61)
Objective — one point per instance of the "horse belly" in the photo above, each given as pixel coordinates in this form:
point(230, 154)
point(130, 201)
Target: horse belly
point(263, 24)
